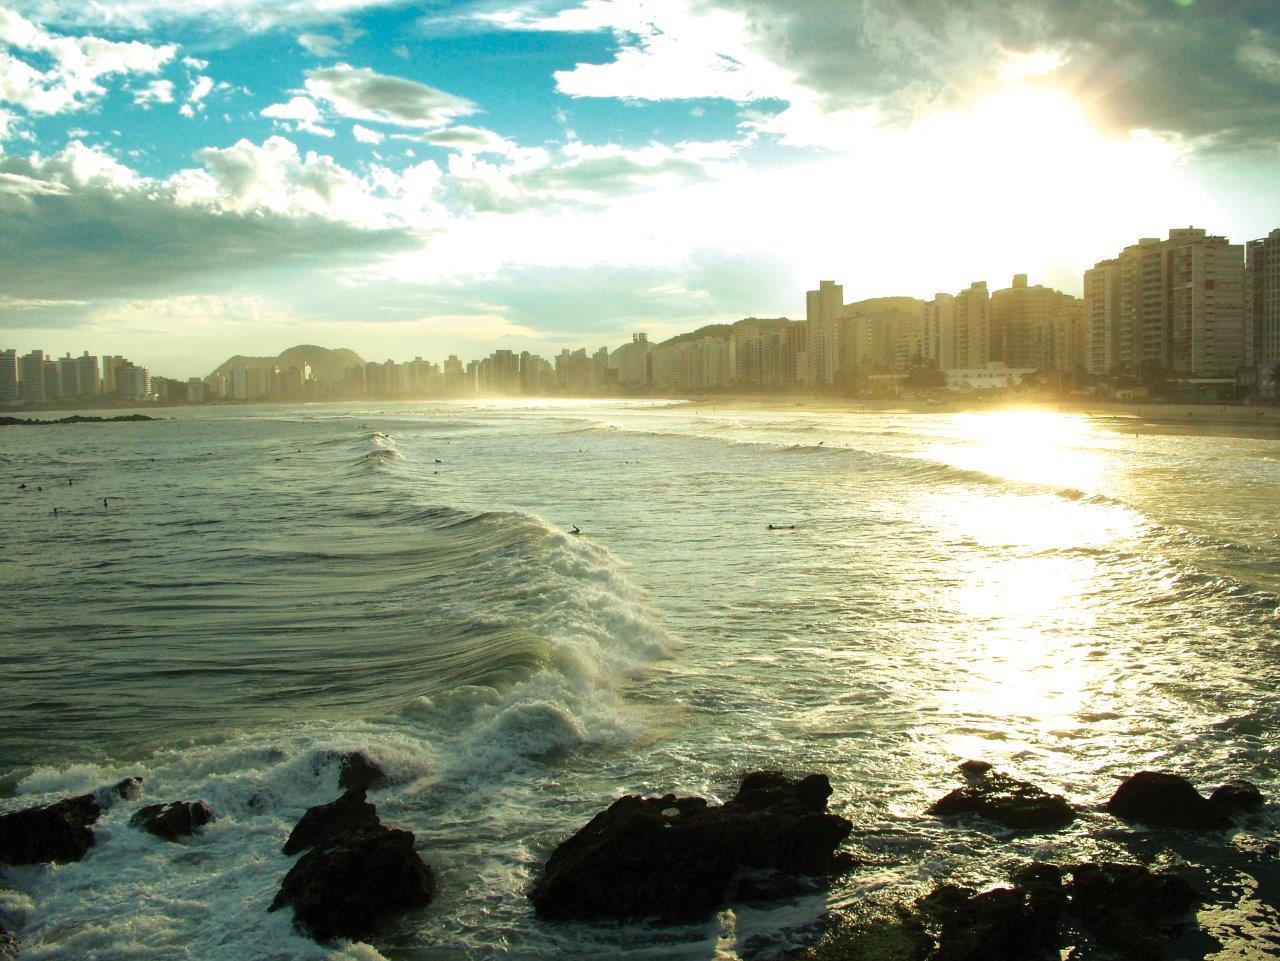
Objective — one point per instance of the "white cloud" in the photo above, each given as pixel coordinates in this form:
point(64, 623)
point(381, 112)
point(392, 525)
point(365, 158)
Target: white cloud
point(670, 49)
point(365, 135)
point(359, 93)
point(157, 91)
point(66, 70)
point(299, 113)
point(200, 88)
point(319, 44)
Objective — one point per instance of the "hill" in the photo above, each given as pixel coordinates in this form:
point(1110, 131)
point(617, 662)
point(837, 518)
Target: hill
point(327, 363)
point(724, 330)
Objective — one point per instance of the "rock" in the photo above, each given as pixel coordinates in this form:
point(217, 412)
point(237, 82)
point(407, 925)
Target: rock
point(674, 858)
point(1236, 797)
point(870, 933)
point(57, 832)
point(1008, 801)
point(1004, 924)
point(357, 771)
point(8, 945)
point(767, 789)
point(1165, 800)
point(173, 820)
point(1120, 905)
point(348, 885)
point(1130, 886)
point(349, 814)
point(975, 768)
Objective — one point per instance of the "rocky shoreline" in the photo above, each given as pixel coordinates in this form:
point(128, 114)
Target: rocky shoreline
point(673, 859)
point(73, 419)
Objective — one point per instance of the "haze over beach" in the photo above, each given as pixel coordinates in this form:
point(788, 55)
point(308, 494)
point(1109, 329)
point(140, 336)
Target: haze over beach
point(447, 516)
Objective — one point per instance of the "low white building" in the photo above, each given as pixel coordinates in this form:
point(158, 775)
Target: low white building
point(990, 377)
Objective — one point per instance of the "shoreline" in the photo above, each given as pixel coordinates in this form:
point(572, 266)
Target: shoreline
point(1167, 418)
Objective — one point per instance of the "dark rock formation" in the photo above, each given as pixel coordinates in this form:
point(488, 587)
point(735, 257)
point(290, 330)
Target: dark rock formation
point(349, 814)
point(73, 419)
point(1121, 905)
point(1004, 924)
point(1008, 801)
point(348, 885)
point(57, 832)
point(973, 768)
point(675, 858)
point(357, 771)
point(1165, 800)
point(1236, 797)
point(8, 945)
point(173, 820)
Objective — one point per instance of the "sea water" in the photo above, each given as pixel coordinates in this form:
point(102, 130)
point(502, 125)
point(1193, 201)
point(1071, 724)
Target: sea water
point(1069, 598)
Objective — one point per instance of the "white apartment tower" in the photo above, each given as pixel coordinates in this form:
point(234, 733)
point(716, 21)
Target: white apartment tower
point(973, 326)
point(822, 316)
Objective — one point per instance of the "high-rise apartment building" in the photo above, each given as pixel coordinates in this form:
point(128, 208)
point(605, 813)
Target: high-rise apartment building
point(88, 375)
point(822, 318)
point(1102, 317)
point(110, 364)
point(1263, 310)
point(133, 382)
point(940, 327)
point(973, 326)
point(8, 376)
point(1205, 294)
point(1173, 307)
point(632, 362)
point(31, 376)
point(68, 377)
point(1034, 327)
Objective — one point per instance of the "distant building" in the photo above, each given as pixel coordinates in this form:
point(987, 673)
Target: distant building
point(88, 375)
point(940, 331)
point(110, 364)
point(973, 327)
point(632, 363)
point(31, 377)
point(1172, 307)
point(1263, 310)
point(822, 318)
point(133, 382)
point(1102, 317)
point(8, 376)
point(1034, 327)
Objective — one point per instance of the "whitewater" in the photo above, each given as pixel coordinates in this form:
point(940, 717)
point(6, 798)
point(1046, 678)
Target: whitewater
point(1070, 599)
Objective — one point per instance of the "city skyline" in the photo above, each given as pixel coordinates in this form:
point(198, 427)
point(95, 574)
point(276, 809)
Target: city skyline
point(1192, 308)
point(186, 182)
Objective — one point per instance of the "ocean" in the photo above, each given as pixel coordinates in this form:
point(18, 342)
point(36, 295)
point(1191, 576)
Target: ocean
point(1072, 599)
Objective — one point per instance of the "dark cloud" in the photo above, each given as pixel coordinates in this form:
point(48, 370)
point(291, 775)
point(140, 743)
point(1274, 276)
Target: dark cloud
point(1203, 69)
point(86, 241)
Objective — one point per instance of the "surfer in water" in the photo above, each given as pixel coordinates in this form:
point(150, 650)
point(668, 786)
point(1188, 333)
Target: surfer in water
point(782, 527)
point(575, 530)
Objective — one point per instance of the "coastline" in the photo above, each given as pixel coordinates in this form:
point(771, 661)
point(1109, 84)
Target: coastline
point(1224, 419)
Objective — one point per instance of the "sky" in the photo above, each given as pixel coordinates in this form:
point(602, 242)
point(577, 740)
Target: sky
point(183, 182)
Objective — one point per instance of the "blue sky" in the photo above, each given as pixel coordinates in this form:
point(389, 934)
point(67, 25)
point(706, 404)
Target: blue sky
point(183, 182)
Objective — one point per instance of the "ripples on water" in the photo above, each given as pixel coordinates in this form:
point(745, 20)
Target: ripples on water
point(268, 585)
